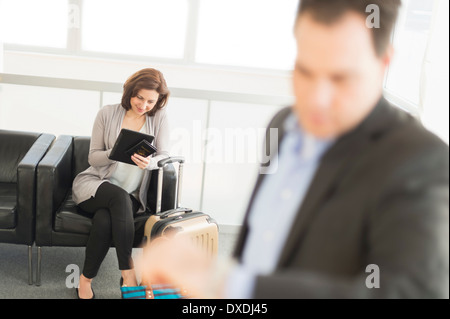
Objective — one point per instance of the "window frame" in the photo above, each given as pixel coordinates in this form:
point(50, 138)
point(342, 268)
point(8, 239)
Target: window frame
point(398, 100)
point(74, 48)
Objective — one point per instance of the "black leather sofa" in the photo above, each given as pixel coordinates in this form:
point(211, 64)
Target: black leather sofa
point(20, 153)
point(59, 222)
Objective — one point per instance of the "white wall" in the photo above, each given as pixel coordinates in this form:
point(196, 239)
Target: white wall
point(1, 56)
point(177, 75)
point(51, 110)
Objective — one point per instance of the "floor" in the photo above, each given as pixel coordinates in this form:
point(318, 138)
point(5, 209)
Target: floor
point(60, 266)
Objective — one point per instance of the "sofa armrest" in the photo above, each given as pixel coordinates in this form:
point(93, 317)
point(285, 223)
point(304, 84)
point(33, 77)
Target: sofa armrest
point(54, 180)
point(26, 188)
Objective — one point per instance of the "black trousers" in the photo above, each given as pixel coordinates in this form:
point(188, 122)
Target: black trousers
point(113, 221)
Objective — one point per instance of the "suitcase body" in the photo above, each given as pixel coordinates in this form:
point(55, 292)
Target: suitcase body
point(202, 230)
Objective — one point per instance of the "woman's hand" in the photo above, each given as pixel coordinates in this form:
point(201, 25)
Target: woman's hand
point(141, 162)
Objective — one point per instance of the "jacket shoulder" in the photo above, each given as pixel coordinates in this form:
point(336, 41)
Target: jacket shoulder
point(409, 132)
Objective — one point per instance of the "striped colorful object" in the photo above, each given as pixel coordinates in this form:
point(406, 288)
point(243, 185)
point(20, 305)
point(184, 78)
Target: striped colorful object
point(136, 292)
point(166, 292)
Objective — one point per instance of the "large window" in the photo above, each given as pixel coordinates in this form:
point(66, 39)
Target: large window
point(40, 23)
point(247, 33)
point(237, 34)
point(135, 27)
point(256, 33)
point(418, 77)
point(410, 40)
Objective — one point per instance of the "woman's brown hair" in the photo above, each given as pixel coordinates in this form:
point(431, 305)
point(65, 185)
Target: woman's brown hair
point(146, 79)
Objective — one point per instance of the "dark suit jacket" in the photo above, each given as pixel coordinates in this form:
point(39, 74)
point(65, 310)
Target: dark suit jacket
point(380, 196)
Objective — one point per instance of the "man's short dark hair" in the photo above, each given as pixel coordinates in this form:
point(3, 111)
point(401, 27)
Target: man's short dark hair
point(330, 11)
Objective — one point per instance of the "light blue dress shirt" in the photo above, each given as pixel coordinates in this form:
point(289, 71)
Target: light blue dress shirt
point(275, 207)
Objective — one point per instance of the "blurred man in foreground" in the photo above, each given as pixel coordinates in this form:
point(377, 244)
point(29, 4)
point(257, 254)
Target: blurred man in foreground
point(359, 205)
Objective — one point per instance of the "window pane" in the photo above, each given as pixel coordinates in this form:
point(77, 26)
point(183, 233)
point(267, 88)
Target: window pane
point(187, 120)
point(233, 155)
point(135, 27)
point(34, 22)
point(410, 42)
point(436, 103)
point(251, 33)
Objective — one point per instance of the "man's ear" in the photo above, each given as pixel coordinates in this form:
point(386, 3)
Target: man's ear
point(386, 59)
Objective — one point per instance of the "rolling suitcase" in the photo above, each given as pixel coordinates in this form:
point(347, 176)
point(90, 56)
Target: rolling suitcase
point(202, 230)
point(200, 227)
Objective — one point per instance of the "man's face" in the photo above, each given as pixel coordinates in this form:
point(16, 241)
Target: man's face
point(338, 77)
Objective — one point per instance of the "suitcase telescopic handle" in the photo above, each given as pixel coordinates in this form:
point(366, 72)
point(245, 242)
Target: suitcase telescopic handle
point(174, 212)
point(177, 159)
point(161, 164)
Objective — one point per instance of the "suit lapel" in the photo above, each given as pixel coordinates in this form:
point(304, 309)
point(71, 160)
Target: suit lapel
point(322, 187)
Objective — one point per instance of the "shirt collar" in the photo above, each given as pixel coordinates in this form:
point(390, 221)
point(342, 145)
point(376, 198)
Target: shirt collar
point(305, 145)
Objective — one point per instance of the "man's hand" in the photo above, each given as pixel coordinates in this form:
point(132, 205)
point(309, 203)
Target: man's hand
point(180, 263)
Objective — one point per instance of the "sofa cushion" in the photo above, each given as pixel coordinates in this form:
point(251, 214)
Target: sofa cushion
point(71, 219)
point(8, 205)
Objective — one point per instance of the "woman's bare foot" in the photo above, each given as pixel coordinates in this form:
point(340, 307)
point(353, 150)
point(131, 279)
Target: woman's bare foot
point(85, 289)
point(129, 278)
